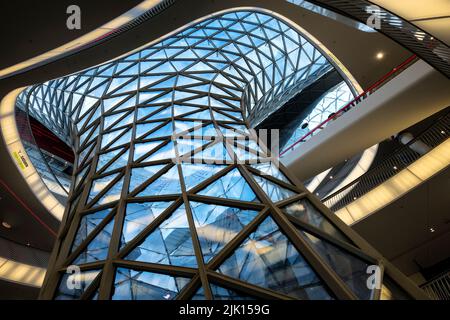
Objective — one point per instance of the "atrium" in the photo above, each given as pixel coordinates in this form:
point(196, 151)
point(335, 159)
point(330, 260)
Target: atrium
point(227, 150)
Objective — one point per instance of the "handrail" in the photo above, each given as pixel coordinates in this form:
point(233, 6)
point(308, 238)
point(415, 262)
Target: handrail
point(432, 136)
point(439, 287)
point(371, 89)
point(33, 144)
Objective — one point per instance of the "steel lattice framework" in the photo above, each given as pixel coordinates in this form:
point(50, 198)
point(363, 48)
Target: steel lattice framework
point(173, 197)
point(330, 102)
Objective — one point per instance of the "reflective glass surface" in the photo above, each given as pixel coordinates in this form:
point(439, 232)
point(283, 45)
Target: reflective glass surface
point(170, 243)
point(353, 270)
point(306, 212)
point(140, 285)
point(73, 285)
point(220, 293)
point(268, 259)
point(217, 225)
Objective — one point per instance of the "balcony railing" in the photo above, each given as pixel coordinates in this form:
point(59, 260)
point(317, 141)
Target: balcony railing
point(432, 136)
point(373, 88)
point(438, 288)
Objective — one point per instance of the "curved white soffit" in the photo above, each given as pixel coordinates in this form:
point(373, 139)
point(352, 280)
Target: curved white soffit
point(316, 181)
point(337, 63)
point(17, 153)
point(21, 273)
point(361, 167)
point(407, 179)
point(85, 39)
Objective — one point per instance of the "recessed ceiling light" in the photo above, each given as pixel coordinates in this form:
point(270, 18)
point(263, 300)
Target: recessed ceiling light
point(380, 55)
point(6, 225)
point(432, 230)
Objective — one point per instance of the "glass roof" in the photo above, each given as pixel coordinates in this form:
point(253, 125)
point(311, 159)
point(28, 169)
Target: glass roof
point(129, 119)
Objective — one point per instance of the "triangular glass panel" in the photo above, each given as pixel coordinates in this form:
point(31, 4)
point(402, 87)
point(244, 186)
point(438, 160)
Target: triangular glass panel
point(165, 84)
point(203, 115)
point(195, 174)
point(217, 225)
point(86, 154)
point(242, 155)
point(351, 269)
point(122, 66)
point(98, 248)
point(199, 66)
point(181, 126)
point(120, 162)
point(230, 186)
point(146, 111)
point(179, 110)
point(143, 129)
point(138, 216)
point(112, 194)
point(117, 82)
point(165, 152)
point(165, 113)
point(144, 148)
point(165, 131)
point(181, 64)
point(221, 293)
point(305, 211)
point(143, 285)
point(88, 102)
point(187, 146)
point(148, 80)
point(216, 154)
point(111, 103)
point(146, 65)
point(166, 67)
point(275, 192)
point(80, 281)
point(223, 80)
point(87, 224)
point(89, 135)
point(99, 91)
point(170, 243)
point(168, 183)
point(124, 138)
point(145, 96)
point(124, 121)
point(131, 102)
point(269, 260)
point(98, 185)
point(163, 99)
point(142, 174)
point(221, 117)
point(129, 87)
point(184, 81)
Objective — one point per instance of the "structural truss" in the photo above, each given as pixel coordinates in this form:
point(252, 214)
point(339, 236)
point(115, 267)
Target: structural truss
point(173, 196)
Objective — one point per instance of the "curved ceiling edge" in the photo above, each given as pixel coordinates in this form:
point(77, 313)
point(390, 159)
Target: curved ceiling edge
point(90, 38)
point(19, 156)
